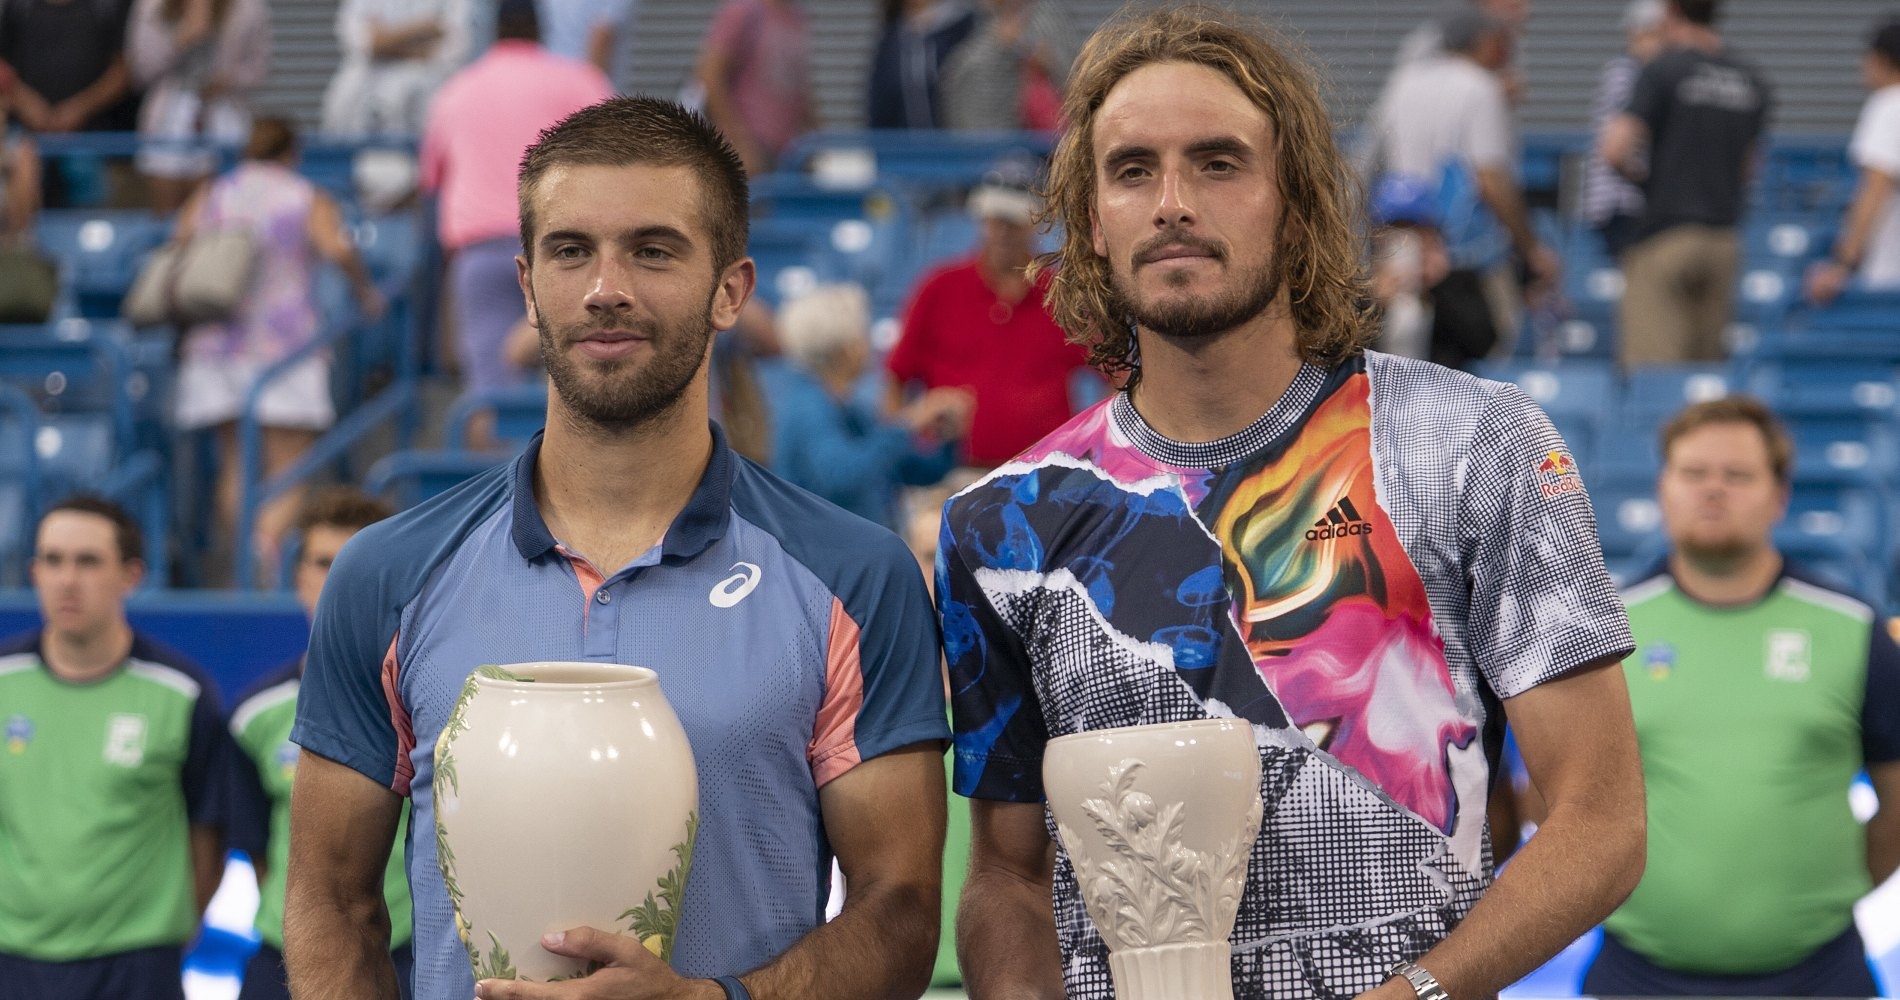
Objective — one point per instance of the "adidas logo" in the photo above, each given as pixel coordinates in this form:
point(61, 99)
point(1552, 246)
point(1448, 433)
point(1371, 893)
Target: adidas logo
point(1341, 521)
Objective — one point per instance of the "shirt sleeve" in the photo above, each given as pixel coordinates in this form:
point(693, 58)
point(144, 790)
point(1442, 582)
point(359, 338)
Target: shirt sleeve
point(1876, 143)
point(1488, 128)
point(1880, 706)
point(883, 679)
point(997, 720)
point(248, 827)
point(348, 709)
point(1541, 601)
point(208, 761)
point(1649, 96)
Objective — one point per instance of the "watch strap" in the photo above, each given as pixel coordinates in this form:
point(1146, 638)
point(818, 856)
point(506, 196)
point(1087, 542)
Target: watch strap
point(1423, 982)
point(735, 990)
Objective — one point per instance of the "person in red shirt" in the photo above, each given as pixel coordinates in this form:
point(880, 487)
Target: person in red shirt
point(979, 324)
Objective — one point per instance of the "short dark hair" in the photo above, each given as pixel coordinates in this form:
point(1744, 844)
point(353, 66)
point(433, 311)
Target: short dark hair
point(518, 20)
point(1737, 410)
point(1885, 41)
point(625, 131)
point(339, 507)
point(270, 139)
point(1700, 12)
point(130, 537)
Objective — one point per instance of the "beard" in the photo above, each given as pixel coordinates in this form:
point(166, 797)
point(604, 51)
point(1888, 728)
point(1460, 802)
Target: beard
point(1199, 318)
point(625, 393)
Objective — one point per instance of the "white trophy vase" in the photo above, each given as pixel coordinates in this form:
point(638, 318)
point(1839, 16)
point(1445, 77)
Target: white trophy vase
point(1159, 822)
point(565, 796)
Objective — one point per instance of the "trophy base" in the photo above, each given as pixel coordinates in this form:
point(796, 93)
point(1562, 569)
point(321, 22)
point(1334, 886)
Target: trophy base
point(1173, 972)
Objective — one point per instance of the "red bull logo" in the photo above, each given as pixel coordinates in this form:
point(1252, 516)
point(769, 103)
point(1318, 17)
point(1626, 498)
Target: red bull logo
point(1557, 475)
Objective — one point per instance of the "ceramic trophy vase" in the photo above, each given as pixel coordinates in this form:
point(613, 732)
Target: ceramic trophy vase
point(565, 796)
point(1158, 822)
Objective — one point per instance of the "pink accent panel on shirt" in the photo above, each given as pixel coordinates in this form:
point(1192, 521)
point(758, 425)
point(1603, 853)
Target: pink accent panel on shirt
point(398, 717)
point(834, 744)
point(483, 119)
point(589, 577)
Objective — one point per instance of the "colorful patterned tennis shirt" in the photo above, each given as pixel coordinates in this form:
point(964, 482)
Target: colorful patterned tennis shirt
point(1363, 574)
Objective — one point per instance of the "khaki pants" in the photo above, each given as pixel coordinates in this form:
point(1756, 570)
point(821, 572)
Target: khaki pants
point(1678, 295)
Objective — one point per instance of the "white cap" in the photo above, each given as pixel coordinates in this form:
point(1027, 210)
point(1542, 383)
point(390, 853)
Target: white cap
point(996, 201)
point(1643, 15)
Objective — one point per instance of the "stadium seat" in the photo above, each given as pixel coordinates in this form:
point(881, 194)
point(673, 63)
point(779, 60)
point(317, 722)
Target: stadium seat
point(519, 411)
point(410, 477)
point(99, 252)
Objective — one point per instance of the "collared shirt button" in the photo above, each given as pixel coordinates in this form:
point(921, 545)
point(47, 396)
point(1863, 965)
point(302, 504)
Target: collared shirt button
point(603, 596)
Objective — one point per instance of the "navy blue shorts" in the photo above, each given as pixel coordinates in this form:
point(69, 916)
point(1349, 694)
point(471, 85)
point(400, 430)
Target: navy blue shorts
point(265, 979)
point(1836, 969)
point(144, 974)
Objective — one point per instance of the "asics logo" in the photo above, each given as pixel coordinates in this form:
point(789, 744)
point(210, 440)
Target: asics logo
point(734, 588)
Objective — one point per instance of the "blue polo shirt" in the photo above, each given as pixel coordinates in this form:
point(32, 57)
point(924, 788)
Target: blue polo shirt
point(793, 640)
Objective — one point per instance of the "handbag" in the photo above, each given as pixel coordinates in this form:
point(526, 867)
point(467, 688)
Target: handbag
point(28, 285)
point(202, 280)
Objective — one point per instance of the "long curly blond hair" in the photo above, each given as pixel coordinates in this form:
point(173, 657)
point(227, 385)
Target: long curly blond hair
point(1322, 256)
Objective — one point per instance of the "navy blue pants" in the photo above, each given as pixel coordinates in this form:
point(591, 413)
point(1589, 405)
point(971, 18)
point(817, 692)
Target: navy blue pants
point(265, 979)
point(144, 974)
point(1836, 969)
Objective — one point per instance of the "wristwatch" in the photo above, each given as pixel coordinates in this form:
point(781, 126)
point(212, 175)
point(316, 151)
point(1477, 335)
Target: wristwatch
point(1423, 983)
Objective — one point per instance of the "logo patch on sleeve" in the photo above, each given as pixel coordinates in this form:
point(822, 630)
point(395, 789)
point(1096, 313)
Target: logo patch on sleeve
point(1557, 475)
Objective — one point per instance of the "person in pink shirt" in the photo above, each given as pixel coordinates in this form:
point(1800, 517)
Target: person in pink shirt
point(755, 69)
point(482, 120)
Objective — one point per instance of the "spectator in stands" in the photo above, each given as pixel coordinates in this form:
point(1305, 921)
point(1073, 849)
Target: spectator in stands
point(198, 61)
point(1612, 205)
point(980, 324)
point(1759, 694)
point(1428, 41)
point(20, 176)
point(482, 120)
point(1445, 120)
point(826, 439)
point(260, 808)
point(755, 70)
point(396, 53)
point(1701, 111)
point(1408, 262)
point(796, 640)
point(1869, 244)
point(111, 783)
point(68, 63)
point(294, 225)
point(588, 30)
point(917, 38)
point(1010, 73)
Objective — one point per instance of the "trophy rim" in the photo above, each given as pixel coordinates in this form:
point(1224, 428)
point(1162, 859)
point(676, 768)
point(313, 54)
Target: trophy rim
point(1156, 728)
point(609, 676)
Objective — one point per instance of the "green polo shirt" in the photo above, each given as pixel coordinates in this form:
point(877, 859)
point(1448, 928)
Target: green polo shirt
point(1753, 722)
point(100, 783)
point(261, 810)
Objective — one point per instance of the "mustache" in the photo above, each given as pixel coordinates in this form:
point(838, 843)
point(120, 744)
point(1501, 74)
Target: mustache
point(581, 331)
point(1151, 248)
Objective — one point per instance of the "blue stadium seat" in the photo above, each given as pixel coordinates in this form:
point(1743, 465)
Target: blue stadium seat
point(99, 252)
point(1826, 385)
point(75, 366)
point(519, 411)
point(1628, 520)
point(1842, 450)
point(787, 255)
point(410, 477)
point(1578, 390)
point(1653, 393)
